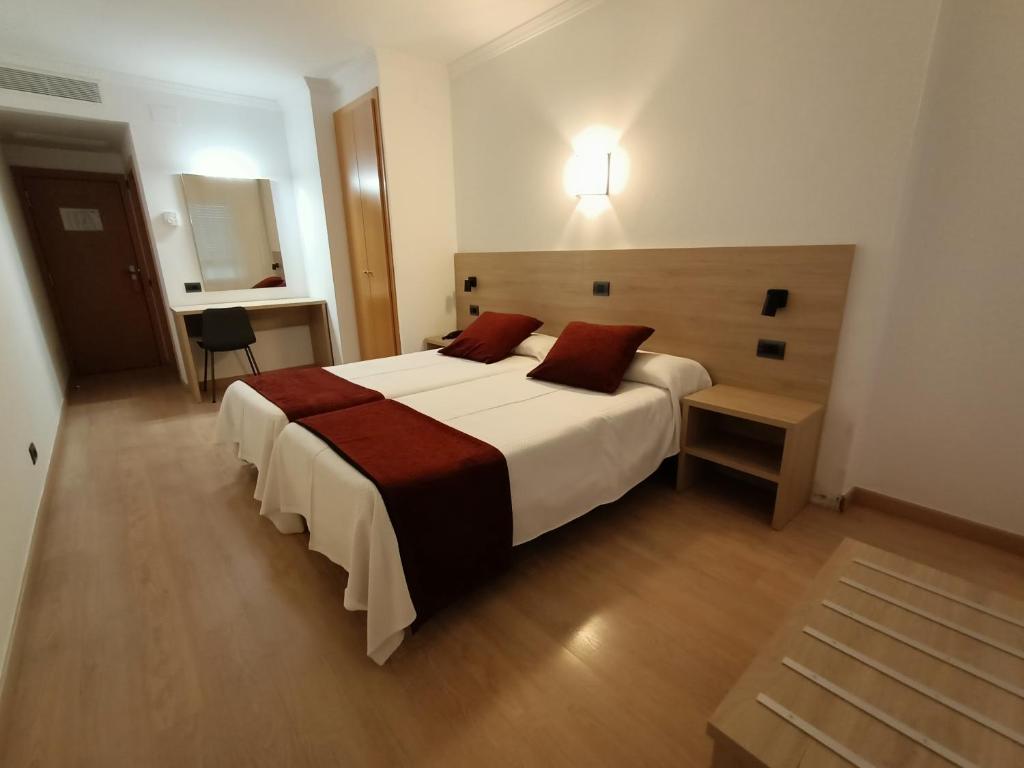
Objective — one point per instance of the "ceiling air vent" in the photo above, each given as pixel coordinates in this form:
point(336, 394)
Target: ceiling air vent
point(49, 85)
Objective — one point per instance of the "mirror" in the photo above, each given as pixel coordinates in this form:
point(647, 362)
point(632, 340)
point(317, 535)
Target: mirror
point(235, 232)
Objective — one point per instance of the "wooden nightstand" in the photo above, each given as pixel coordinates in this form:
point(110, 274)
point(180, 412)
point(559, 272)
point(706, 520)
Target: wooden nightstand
point(436, 342)
point(771, 437)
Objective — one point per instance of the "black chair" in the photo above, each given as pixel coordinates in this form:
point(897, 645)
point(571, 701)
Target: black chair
point(225, 330)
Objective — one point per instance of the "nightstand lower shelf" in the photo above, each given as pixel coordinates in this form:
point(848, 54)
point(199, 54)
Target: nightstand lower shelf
point(753, 457)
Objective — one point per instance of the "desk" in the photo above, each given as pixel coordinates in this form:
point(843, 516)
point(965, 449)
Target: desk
point(265, 314)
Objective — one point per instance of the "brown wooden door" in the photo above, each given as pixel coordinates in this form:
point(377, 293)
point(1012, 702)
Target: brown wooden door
point(364, 189)
point(82, 234)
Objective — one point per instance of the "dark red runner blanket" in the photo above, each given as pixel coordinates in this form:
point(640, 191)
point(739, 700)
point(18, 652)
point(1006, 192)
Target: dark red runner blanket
point(303, 392)
point(447, 495)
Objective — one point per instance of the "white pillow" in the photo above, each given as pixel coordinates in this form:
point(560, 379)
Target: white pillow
point(536, 345)
point(679, 375)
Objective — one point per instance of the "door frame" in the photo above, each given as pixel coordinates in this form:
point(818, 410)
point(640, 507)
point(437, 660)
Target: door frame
point(156, 309)
point(372, 96)
point(152, 278)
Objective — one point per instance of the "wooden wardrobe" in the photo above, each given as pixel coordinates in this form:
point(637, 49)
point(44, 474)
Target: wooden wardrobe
point(364, 190)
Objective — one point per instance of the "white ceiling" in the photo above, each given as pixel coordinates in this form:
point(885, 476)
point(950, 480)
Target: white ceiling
point(251, 47)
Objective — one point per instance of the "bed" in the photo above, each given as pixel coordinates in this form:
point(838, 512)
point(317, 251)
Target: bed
point(251, 422)
point(568, 451)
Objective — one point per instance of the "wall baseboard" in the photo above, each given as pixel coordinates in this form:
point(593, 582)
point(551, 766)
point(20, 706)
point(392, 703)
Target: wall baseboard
point(44, 503)
point(959, 526)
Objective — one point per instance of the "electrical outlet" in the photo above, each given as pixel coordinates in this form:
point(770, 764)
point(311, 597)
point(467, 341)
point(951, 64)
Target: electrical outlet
point(474, 309)
point(775, 350)
point(834, 503)
point(33, 453)
point(602, 288)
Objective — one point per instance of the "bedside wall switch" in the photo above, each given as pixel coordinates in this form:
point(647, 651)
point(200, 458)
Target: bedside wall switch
point(774, 350)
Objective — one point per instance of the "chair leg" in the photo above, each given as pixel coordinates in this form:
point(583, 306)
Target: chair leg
point(213, 378)
point(252, 360)
point(206, 358)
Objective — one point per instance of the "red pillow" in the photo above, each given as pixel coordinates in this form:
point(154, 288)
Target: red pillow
point(492, 337)
point(274, 281)
point(592, 356)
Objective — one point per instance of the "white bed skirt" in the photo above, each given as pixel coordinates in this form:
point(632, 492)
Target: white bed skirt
point(568, 451)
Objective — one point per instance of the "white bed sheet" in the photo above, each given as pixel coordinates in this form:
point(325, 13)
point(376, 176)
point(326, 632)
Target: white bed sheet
point(253, 423)
point(568, 451)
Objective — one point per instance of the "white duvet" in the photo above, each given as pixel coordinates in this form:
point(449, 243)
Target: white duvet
point(253, 423)
point(568, 451)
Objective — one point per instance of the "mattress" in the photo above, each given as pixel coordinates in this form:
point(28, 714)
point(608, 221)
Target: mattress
point(568, 451)
point(251, 422)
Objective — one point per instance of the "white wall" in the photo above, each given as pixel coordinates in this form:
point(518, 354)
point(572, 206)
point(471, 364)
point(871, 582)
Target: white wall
point(415, 103)
point(744, 122)
point(172, 134)
point(65, 159)
point(945, 426)
point(312, 218)
point(214, 139)
point(175, 130)
point(416, 127)
point(312, 148)
point(32, 381)
point(327, 96)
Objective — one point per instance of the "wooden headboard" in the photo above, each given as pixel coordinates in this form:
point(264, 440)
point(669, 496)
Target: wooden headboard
point(705, 303)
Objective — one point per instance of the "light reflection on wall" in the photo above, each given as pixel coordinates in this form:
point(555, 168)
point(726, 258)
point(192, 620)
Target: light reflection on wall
point(224, 162)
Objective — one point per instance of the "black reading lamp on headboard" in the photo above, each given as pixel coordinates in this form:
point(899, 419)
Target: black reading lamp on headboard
point(774, 300)
point(469, 284)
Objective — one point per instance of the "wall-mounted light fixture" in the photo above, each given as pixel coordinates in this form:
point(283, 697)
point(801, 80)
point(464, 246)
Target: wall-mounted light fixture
point(589, 172)
point(469, 284)
point(774, 300)
point(596, 170)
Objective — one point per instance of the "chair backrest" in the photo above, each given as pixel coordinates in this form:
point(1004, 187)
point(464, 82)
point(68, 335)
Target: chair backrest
point(226, 329)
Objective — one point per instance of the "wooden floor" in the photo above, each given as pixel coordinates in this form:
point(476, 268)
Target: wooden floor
point(166, 624)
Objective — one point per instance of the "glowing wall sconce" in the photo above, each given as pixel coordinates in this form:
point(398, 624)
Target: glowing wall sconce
point(597, 169)
point(589, 173)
